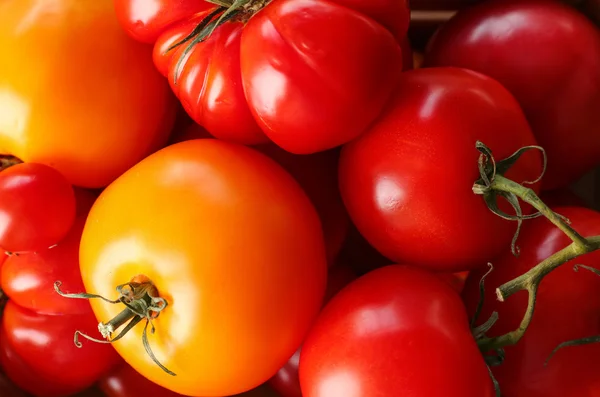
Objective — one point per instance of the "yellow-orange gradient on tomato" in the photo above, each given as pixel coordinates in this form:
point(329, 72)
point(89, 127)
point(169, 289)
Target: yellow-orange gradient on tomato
point(76, 92)
point(231, 242)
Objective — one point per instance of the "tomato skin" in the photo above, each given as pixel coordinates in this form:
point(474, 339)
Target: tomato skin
point(90, 105)
point(395, 323)
point(28, 279)
point(36, 347)
point(37, 205)
point(231, 242)
point(399, 196)
point(560, 105)
point(564, 311)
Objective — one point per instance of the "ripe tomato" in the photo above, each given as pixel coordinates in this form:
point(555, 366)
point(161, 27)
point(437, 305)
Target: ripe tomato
point(564, 311)
point(231, 242)
point(76, 93)
point(277, 72)
point(28, 279)
point(37, 352)
point(561, 103)
point(37, 207)
point(407, 181)
point(390, 333)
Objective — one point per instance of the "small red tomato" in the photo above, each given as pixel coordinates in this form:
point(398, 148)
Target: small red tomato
point(37, 352)
point(37, 207)
point(28, 279)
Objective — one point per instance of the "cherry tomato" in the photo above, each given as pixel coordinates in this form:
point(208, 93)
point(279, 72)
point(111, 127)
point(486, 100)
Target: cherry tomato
point(510, 41)
point(37, 352)
point(28, 279)
point(395, 331)
point(286, 381)
point(37, 207)
point(234, 246)
point(76, 93)
point(407, 182)
point(564, 311)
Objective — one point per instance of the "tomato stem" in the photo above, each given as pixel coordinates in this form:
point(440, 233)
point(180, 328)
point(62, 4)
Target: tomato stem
point(8, 161)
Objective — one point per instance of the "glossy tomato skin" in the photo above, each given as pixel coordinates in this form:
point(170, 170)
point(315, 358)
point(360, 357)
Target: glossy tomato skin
point(395, 331)
point(560, 104)
point(28, 279)
point(231, 242)
point(564, 311)
point(35, 347)
point(407, 182)
point(78, 93)
point(37, 205)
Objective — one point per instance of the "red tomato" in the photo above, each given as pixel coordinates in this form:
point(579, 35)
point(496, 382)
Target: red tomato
point(8, 389)
point(37, 207)
point(37, 352)
point(407, 182)
point(278, 73)
point(553, 73)
point(564, 311)
point(407, 55)
point(395, 331)
point(127, 382)
point(286, 381)
point(28, 279)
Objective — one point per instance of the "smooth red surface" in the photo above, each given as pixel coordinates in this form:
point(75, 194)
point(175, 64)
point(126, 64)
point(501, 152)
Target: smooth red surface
point(37, 207)
point(37, 352)
point(548, 55)
point(396, 331)
point(28, 279)
point(566, 309)
point(407, 182)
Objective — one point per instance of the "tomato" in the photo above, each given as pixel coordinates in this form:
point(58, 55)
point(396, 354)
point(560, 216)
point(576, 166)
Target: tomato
point(77, 93)
point(37, 352)
point(37, 207)
point(561, 105)
point(564, 311)
point(275, 72)
point(28, 279)
point(395, 331)
point(407, 181)
point(8, 389)
point(286, 381)
point(562, 197)
point(234, 246)
point(127, 382)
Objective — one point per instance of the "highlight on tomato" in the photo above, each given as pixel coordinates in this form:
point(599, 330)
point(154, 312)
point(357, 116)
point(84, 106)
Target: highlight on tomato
point(76, 92)
point(221, 251)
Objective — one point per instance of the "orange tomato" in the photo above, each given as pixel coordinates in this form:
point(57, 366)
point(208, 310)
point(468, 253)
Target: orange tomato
point(234, 246)
point(76, 92)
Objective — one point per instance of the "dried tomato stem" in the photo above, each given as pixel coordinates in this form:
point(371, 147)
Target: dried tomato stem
point(8, 161)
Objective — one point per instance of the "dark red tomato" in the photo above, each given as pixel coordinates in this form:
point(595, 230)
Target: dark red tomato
point(554, 73)
point(8, 389)
point(28, 279)
point(37, 207)
point(286, 381)
point(37, 352)
point(564, 311)
point(407, 182)
point(407, 55)
point(278, 73)
point(455, 280)
point(395, 331)
point(127, 382)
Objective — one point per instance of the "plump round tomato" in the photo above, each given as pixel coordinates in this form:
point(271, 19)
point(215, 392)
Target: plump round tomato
point(37, 207)
point(234, 246)
point(37, 352)
point(395, 331)
point(407, 182)
point(277, 72)
point(28, 279)
point(553, 73)
point(563, 312)
point(76, 92)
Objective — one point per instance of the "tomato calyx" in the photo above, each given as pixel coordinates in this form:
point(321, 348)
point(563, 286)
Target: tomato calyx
point(142, 302)
point(8, 161)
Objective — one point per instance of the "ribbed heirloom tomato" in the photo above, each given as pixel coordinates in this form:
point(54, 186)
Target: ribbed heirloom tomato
point(76, 92)
point(308, 74)
point(234, 247)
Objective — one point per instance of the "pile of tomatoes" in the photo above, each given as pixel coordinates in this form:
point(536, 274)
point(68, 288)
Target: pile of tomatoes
point(274, 198)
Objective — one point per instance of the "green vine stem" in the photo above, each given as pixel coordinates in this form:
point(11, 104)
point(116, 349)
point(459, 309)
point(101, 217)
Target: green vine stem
point(492, 184)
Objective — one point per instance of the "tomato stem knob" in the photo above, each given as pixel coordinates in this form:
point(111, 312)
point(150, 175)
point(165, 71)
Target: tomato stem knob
point(8, 161)
point(141, 300)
